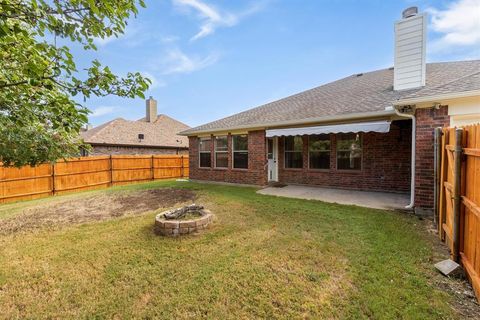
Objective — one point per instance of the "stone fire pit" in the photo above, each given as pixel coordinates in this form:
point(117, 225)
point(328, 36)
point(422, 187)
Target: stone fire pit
point(182, 220)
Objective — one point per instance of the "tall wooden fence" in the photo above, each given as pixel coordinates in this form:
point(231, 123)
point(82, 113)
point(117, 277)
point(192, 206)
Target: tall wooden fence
point(459, 200)
point(87, 173)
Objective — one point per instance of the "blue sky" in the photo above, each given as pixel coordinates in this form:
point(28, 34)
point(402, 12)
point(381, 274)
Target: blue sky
point(210, 58)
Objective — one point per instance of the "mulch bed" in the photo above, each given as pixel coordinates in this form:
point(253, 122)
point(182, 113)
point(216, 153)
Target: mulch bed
point(94, 208)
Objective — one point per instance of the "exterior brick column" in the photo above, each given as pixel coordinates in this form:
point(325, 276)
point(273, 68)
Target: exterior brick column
point(193, 153)
point(427, 120)
point(257, 157)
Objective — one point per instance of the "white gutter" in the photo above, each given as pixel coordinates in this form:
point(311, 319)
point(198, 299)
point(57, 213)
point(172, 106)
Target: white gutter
point(412, 170)
point(301, 122)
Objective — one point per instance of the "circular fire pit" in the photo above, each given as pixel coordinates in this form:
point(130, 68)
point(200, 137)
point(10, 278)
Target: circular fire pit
point(182, 220)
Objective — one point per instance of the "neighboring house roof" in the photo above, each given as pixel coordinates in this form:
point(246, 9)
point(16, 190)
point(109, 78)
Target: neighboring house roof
point(358, 93)
point(160, 133)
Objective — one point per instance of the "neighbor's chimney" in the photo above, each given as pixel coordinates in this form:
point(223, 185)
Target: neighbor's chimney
point(151, 110)
point(410, 39)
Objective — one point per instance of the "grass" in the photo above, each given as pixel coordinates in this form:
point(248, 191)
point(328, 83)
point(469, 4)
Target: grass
point(264, 257)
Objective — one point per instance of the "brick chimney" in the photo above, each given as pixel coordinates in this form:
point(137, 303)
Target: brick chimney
point(410, 39)
point(151, 110)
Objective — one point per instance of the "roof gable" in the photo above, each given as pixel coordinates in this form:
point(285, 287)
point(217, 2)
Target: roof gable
point(161, 133)
point(367, 92)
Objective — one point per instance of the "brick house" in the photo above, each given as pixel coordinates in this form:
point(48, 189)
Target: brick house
point(153, 134)
point(353, 133)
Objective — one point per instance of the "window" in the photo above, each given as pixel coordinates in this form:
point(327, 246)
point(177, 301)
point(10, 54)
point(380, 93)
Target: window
point(83, 152)
point(240, 151)
point(269, 148)
point(319, 152)
point(205, 149)
point(349, 151)
point(293, 152)
point(221, 152)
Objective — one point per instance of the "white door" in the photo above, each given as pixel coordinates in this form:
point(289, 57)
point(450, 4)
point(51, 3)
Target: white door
point(272, 156)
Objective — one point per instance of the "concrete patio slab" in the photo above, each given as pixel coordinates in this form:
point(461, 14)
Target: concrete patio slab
point(377, 200)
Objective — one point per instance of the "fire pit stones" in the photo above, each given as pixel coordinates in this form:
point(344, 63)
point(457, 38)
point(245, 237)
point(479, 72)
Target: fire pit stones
point(169, 223)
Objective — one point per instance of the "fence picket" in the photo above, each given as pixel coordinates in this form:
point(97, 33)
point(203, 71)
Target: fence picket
point(467, 181)
point(85, 173)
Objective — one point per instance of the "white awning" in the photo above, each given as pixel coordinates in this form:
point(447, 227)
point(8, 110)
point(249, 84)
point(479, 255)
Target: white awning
point(376, 126)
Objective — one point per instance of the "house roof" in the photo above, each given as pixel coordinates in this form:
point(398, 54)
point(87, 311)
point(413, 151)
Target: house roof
point(359, 93)
point(160, 133)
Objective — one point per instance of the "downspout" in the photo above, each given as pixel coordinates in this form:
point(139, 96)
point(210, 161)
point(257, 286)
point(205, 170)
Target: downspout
point(412, 170)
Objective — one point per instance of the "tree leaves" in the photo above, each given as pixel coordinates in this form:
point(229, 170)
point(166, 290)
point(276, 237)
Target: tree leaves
point(39, 121)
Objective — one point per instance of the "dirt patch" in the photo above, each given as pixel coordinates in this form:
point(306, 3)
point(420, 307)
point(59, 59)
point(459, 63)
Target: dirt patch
point(94, 208)
point(463, 297)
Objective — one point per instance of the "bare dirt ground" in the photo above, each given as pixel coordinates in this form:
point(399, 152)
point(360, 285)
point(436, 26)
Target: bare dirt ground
point(458, 287)
point(93, 208)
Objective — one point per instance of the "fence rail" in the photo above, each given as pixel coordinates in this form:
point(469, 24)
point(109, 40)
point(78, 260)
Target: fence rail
point(85, 173)
point(459, 200)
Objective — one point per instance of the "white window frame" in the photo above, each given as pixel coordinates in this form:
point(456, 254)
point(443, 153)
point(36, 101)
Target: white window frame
point(291, 151)
point(233, 151)
point(200, 151)
point(215, 151)
point(344, 150)
point(321, 151)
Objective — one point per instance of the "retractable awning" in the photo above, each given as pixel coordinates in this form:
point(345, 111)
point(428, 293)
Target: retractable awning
point(376, 126)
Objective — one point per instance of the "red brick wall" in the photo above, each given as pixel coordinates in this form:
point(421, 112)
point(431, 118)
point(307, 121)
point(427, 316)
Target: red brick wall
point(256, 173)
point(98, 150)
point(385, 163)
point(427, 121)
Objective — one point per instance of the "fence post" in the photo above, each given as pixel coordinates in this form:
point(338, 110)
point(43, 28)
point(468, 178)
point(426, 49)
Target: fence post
point(182, 170)
point(436, 177)
point(111, 171)
point(457, 180)
point(151, 168)
point(53, 179)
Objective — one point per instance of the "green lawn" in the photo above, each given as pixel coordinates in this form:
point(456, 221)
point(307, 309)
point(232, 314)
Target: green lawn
point(264, 257)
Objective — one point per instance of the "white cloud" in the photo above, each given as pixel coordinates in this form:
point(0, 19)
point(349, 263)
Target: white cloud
point(458, 24)
point(104, 41)
point(101, 111)
point(155, 81)
point(177, 61)
point(132, 33)
point(213, 18)
point(168, 39)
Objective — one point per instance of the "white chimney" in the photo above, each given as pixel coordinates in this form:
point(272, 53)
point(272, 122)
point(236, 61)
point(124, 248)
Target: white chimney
point(410, 39)
point(151, 110)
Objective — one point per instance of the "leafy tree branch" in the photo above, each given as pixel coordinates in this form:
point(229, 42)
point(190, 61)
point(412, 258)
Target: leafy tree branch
point(39, 120)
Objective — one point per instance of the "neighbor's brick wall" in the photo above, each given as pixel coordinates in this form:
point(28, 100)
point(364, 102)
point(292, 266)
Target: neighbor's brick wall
point(256, 173)
point(114, 150)
point(427, 120)
point(385, 163)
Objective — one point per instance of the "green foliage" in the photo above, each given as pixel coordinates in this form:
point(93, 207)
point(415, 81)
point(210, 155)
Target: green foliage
point(39, 120)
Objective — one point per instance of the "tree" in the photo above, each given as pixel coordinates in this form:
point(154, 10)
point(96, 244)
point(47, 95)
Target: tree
point(39, 118)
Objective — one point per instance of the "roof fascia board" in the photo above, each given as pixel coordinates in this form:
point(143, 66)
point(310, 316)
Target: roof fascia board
point(438, 97)
point(133, 145)
point(225, 133)
point(309, 121)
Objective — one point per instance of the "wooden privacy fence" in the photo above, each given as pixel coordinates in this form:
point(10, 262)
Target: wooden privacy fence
point(87, 173)
point(459, 199)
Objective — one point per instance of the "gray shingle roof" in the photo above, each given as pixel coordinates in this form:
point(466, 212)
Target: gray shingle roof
point(367, 92)
point(163, 132)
